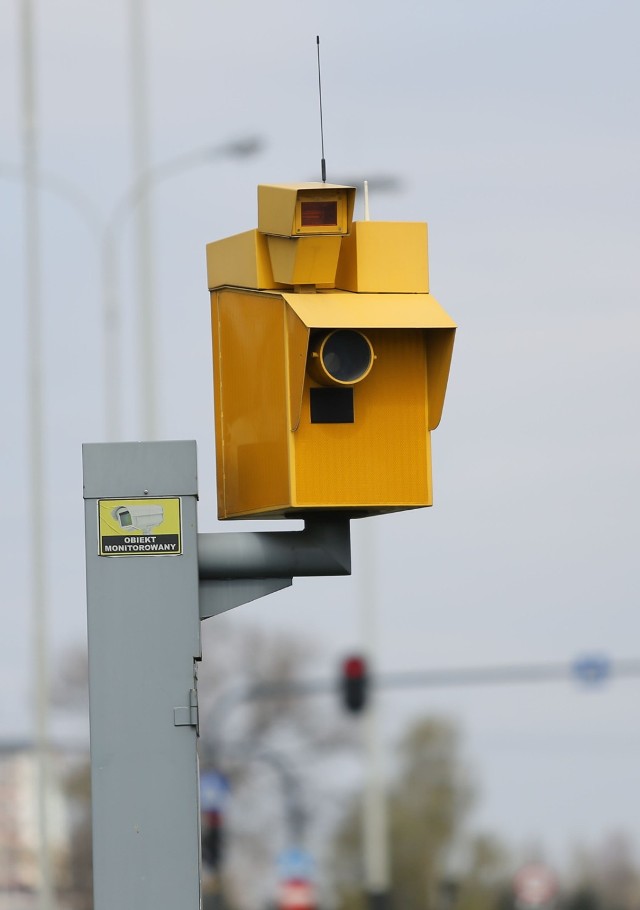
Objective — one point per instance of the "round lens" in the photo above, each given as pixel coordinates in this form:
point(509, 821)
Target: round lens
point(346, 356)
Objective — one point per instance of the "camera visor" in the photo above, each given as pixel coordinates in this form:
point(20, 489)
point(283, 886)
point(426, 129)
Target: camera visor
point(346, 356)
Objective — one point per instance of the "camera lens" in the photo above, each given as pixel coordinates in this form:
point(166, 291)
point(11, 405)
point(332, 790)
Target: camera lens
point(346, 356)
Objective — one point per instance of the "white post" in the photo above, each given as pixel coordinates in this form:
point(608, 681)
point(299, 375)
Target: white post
point(35, 446)
point(141, 163)
point(374, 815)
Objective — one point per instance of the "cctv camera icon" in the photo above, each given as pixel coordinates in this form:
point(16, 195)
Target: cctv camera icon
point(139, 518)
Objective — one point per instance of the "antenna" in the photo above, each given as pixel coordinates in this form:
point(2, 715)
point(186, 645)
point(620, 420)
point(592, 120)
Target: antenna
point(323, 164)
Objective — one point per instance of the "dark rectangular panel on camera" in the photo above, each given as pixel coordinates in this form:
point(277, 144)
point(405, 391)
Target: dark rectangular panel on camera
point(331, 405)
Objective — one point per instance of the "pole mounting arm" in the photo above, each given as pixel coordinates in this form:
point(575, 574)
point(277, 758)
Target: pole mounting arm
point(237, 568)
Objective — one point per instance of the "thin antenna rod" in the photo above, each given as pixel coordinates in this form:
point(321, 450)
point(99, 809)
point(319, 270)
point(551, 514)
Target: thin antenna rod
point(323, 164)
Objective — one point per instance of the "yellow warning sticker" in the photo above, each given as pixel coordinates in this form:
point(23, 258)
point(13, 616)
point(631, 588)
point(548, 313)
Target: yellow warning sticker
point(140, 527)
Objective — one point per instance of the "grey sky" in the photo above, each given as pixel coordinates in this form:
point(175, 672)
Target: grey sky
point(514, 128)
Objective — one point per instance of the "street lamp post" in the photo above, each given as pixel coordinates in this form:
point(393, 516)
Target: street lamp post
point(35, 447)
point(141, 145)
point(138, 195)
point(106, 236)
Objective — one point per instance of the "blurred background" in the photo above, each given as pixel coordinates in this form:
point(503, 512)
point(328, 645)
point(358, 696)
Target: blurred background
point(131, 134)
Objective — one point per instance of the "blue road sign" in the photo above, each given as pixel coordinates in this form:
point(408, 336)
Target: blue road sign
point(214, 791)
point(592, 669)
point(294, 862)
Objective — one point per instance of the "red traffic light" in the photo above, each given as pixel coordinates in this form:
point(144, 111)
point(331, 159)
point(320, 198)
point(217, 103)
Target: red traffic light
point(354, 683)
point(355, 667)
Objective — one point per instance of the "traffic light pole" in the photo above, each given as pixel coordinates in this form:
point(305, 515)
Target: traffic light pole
point(146, 595)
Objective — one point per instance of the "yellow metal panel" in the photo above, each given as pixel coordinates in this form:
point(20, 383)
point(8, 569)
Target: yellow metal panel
point(304, 260)
point(382, 461)
point(297, 348)
point(252, 431)
point(277, 206)
point(439, 345)
point(384, 257)
point(342, 309)
point(240, 261)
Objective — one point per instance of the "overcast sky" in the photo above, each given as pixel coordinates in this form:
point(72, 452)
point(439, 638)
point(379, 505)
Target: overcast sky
point(513, 128)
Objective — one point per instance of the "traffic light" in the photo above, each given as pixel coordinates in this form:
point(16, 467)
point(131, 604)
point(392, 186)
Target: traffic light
point(354, 683)
point(212, 838)
point(330, 356)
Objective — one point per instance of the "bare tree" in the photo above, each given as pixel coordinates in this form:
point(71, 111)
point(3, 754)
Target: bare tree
point(273, 742)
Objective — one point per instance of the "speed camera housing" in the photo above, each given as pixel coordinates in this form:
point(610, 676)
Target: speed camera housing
point(330, 356)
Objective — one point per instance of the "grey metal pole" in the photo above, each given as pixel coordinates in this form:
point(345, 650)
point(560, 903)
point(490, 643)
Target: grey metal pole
point(36, 450)
point(144, 641)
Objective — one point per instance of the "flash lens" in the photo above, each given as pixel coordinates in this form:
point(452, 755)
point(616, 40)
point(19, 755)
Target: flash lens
point(343, 357)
